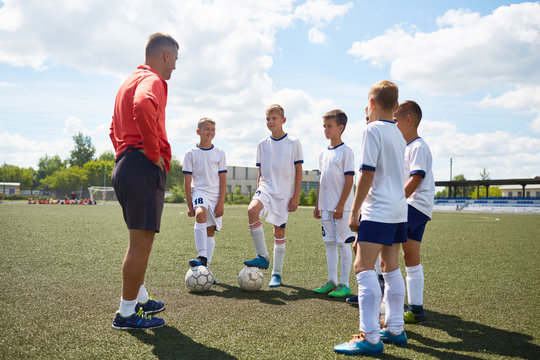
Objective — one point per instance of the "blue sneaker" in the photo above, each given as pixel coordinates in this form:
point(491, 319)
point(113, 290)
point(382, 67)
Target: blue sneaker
point(275, 281)
point(353, 300)
point(388, 338)
point(201, 260)
point(358, 345)
point(259, 262)
point(136, 321)
point(151, 306)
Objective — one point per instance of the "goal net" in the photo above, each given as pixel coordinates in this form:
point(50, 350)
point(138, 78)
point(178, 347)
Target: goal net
point(102, 193)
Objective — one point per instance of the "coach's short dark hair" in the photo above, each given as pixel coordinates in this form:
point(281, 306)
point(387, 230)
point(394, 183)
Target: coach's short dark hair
point(412, 108)
point(338, 116)
point(159, 41)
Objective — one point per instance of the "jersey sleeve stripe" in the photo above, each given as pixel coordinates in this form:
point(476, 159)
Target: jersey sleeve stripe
point(299, 162)
point(367, 167)
point(187, 172)
point(349, 172)
point(222, 171)
point(418, 172)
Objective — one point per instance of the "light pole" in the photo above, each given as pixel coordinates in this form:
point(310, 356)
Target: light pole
point(451, 178)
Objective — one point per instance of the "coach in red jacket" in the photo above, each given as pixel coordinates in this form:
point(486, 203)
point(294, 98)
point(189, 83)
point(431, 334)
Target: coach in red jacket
point(143, 155)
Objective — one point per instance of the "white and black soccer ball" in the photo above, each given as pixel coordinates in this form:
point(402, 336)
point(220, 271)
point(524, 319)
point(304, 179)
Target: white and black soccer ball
point(199, 279)
point(250, 279)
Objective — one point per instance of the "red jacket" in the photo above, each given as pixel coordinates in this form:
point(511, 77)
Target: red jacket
point(139, 115)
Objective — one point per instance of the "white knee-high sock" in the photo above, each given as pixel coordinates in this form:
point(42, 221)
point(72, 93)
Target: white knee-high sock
point(346, 262)
point(142, 296)
point(369, 298)
point(257, 234)
point(211, 243)
point(394, 295)
point(415, 284)
point(279, 256)
point(332, 259)
point(199, 230)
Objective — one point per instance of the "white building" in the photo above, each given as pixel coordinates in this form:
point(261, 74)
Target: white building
point(532, 190)
point(10, 188)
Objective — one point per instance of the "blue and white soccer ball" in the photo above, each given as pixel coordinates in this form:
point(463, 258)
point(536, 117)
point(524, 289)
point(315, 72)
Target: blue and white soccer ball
point(250, 279)
point(199, 279)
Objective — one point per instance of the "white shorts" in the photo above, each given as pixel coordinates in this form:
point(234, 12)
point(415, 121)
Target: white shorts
point(200, 199)
point(276, 210)
point(336, 229)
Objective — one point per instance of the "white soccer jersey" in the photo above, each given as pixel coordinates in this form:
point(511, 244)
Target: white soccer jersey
point(334, 164)
point(418, 161)
point(276, 159)
point(205, 165)
point(383, 151)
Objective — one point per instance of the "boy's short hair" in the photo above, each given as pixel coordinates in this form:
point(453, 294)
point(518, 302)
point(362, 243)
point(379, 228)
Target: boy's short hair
point(338, 116)
point(275, 108)
point(410, 107)
point(203, 121)
point(385, 93)
point(159, 41)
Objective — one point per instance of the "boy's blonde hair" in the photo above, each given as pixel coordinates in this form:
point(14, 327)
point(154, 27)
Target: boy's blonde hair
point(385, 93)
point(205, 120)
point(338, 116)
point(275, 108)
point(410, 107)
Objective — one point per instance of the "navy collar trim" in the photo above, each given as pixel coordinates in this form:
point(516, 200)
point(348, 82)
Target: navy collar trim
point(388, 121)
point(335, 147)
point(281, 138)
point(210, 148)
point(414, 140)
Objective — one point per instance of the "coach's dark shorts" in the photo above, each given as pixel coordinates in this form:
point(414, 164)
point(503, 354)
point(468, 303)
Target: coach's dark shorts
point(140, 188)
point(416, 224)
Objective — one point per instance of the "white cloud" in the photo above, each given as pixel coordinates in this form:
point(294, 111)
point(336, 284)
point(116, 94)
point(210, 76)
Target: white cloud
point(10, 17)
point(316, 36)
point(23, 152)
point(72, 125)
point(321, 12)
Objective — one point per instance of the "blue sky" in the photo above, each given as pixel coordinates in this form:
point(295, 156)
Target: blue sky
point(471, 65)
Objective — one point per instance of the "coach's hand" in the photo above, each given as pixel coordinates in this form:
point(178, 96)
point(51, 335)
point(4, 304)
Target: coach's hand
point(160, 163)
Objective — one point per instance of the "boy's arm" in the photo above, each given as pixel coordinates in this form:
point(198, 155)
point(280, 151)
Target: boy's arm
point(187, 191)
point(412, 184)
point(362, 188)
point(218, 211)
point(316, 212)
point(293, 203)
point(338, 211)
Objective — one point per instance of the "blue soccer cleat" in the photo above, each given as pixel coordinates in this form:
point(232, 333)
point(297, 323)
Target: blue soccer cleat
point(358, 345)
point(353, 300)
point(137, 321)
point(259, 262)
point(275, 281)
point(151, 306)
point(201, 260)
point(388, 338)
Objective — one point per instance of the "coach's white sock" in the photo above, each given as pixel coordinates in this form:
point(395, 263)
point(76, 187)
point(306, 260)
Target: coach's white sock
point(332, 259)
point(394, 296)
point(201, 239)
point(210, 251)
point(127, 307)
point(346, 262)
point(369, 298)
point(142, 296)
point(415, 284)
point(257, 234)
point(279, 256)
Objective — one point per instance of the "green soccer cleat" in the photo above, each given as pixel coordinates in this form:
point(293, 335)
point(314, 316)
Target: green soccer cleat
point(326, 288)
point(340, 291)
point(411, 318)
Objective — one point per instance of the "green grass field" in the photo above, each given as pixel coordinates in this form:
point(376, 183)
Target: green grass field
point(60, 275)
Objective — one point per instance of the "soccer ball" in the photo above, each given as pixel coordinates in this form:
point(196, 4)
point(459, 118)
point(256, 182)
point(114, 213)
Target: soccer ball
point(250, 279)
point(199, 279)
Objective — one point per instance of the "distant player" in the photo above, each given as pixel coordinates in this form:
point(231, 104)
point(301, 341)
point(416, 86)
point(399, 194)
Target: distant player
point(279, 158)
point(419, 190)
point(382, 226)
point(334, 200)
point(205, 182)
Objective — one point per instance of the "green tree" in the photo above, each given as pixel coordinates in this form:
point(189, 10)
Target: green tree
point(178, 194)
point(312, 197)
point(463, 190)
point(494, 191)
point(99, 172)
point(484, 175)
point(64, 181)
point(108, 156)
point(302, 200)
point(48, 165)
point(83, 151)
point(24, 176)
point(175, 177)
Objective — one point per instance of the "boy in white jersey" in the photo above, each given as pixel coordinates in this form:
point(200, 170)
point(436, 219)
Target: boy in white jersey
point(382, 226)
point(334, 200)
point(205, 180)
point(279, 158)
point(419, 191)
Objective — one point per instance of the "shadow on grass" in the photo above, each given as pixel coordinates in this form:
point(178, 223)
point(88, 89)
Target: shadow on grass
point(471, 337)
point(169, 343)
point(271, 296)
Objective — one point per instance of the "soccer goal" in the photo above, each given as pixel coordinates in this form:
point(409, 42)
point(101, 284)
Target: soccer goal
point(103, 193)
